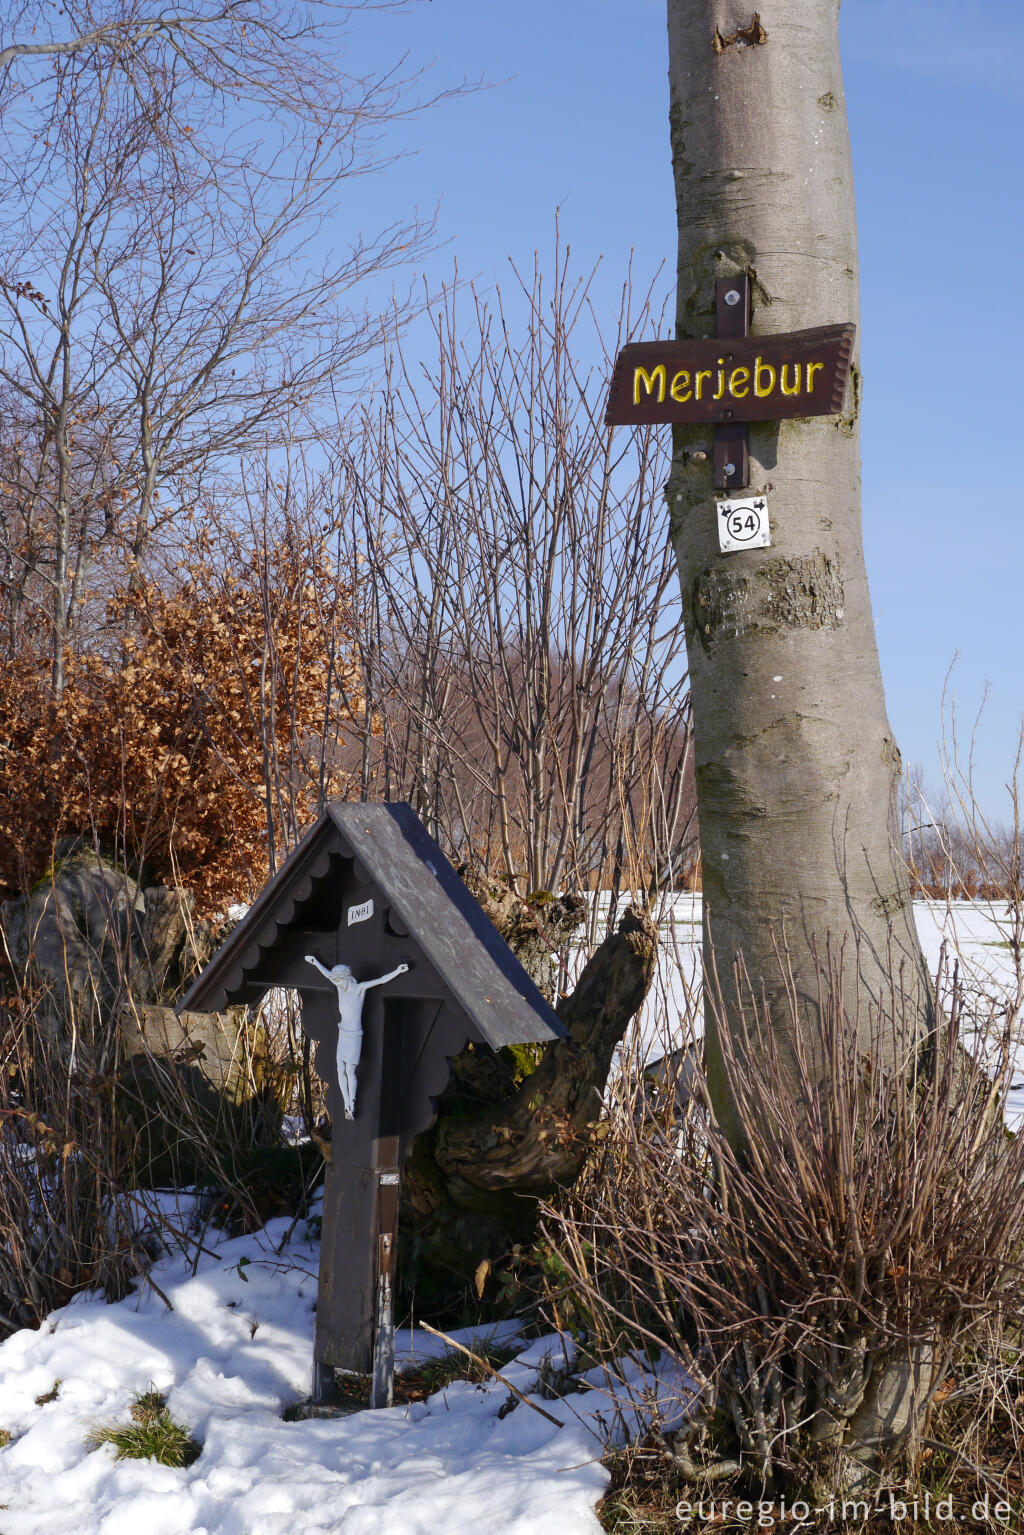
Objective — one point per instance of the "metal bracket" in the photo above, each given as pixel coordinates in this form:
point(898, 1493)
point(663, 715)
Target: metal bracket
point(732, 438)
point(388, 1195)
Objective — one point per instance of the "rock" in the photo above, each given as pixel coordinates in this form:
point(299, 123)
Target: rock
point(103, 961)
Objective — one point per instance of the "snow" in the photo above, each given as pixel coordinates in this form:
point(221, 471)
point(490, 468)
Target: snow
point(233, 1354)
point(236, 1350)
point(976, 934)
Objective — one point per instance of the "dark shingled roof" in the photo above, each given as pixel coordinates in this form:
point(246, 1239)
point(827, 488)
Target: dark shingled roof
point(393, 853)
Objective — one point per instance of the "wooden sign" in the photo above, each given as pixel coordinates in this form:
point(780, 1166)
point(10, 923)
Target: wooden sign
point(733, 379)
point(757, 378)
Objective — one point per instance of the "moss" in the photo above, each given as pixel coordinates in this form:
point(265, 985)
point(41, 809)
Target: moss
point(454, 1365)
point(524, 1059)
point(94, 857)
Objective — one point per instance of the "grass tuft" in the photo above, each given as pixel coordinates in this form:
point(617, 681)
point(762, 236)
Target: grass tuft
point(152, 1434)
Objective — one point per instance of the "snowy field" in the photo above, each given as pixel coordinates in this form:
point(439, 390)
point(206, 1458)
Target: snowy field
point(230, 1346)
point(976, 935)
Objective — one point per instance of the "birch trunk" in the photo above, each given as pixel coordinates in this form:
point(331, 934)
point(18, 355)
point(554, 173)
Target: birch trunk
point(797, 768)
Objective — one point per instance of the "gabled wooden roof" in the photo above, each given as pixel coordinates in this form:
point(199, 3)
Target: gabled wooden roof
point(386, 847)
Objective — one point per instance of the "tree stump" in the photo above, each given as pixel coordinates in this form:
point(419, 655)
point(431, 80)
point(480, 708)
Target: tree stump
point(506, 1137)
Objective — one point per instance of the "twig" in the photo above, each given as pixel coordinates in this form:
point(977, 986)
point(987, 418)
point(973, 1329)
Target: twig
point(462, 1349)
point(307, 1194)
point(153, 1285)
point(949, 1449)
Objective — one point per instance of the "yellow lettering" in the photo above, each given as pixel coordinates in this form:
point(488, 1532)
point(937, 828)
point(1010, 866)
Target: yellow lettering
point(782, 380)
point(680, 383)
point(737, 377)
point(704, 373)
point(721, 379)
point(812, 369)
point(649, 380)
point(761, 369)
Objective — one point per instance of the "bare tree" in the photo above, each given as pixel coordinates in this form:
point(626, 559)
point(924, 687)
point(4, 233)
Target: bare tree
point(169, 298)
point(521, 671)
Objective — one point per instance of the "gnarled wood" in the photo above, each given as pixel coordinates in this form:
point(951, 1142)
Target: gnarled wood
point(473, 1183)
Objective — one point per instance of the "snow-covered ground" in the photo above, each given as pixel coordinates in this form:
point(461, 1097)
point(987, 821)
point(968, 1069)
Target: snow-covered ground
point(235, 1352)
point(236, 1349)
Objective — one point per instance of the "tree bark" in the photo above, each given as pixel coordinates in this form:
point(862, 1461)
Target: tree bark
point(796, 765)
point(505, 1139)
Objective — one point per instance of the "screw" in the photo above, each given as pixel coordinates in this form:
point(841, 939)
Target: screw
point(730, 468)
point(733, 296)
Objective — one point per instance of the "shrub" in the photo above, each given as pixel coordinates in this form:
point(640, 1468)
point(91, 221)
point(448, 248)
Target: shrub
point(187, 736)
point(859, 1242)
point(65, 1225)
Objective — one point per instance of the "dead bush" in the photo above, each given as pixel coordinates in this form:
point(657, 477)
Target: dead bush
point(65, 1223)
point(816, 1283)
point(187, 739)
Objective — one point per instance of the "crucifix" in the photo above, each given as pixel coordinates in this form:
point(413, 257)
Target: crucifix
point(350, 1022)
point(397, 968)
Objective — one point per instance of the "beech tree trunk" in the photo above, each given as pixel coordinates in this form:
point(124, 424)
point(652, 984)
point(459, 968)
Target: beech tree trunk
point(796, 765)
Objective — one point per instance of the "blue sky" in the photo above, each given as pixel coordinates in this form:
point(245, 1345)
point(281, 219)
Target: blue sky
point(576, 119)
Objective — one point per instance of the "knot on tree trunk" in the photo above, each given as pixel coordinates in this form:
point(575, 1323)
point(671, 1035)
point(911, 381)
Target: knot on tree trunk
point(535, 928)
point(753, 36)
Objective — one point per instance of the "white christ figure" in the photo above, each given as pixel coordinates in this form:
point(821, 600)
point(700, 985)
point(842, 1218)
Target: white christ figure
point(350, 1022)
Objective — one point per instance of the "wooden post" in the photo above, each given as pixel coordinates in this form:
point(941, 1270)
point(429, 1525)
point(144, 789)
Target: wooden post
point(355, 1328)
